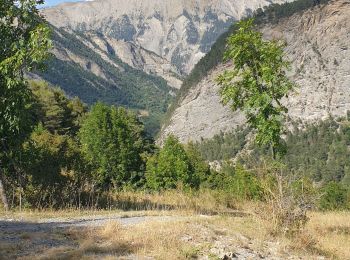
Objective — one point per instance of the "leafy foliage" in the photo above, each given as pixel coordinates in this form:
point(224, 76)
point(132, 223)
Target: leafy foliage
point(334, 196)
point(173, 167)
point(257, 82)
point(24, 44)
point(44, 186)
point(237, 181)
point(114, 143)
point(54, 110)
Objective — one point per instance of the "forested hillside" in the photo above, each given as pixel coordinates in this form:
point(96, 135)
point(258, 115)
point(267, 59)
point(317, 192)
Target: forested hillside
point(113, 82)
point(317, 150)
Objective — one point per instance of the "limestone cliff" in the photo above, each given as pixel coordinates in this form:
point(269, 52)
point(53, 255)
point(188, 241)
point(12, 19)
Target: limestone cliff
point(180, 31)
point(319, 49)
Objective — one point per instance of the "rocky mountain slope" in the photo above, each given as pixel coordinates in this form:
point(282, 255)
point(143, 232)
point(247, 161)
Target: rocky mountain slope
point(86, 65)
point(135, 53)
point(319, 48)
point(107, 48)
point(180, 31)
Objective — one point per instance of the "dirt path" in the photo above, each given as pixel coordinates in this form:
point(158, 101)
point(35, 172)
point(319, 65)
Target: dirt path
point(20, 238)
point(48, 224)
point(207, 237)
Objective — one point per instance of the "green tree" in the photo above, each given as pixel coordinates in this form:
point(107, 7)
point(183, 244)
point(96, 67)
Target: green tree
point(257, 82)
point(24, 43)
point(175, 167)
point(113, 141)
point(54, 110)
point(200, 168)
point(50, 186)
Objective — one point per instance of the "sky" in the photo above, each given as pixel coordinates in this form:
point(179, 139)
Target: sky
point(55, 2)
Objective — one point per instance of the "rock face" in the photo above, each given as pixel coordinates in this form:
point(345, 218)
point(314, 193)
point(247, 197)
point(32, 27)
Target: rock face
point(179, 31)
point(129, 53)
point(140, 58)
point(319, 49)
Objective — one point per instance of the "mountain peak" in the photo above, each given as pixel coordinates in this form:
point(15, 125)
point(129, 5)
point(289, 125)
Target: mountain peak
point(181, 31)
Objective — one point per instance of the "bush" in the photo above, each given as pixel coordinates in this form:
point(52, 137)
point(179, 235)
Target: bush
point(237, 181)
point(333, 196)
point(287, 199)
point(174, 167)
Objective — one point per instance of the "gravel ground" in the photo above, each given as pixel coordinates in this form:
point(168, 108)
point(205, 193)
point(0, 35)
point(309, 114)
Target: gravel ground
point(11, 225)
point(23, 238)
point(19, 238)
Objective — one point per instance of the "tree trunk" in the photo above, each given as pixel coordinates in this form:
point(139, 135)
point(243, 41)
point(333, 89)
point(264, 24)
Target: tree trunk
point(273, 152)
point(3, 195)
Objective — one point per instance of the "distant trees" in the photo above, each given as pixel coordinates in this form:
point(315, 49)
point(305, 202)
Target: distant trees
point(24, 43)
point(223, 146)
point(334, 196)
point(318, 151)
point(114, 143)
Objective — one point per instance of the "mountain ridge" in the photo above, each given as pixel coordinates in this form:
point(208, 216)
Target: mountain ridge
point(179, 31)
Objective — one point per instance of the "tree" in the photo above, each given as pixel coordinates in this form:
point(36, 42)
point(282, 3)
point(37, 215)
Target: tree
point(174, 167)
point(24, 43)
point(199, 167)
point(257, 82)
point(54, 110)
point(113, 141)
point(47, 186)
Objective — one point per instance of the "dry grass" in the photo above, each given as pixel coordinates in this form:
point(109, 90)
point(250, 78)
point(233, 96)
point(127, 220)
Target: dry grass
point(331, 233)
point(189, 238)
point(202, 202)
point(189, 233)
point(72, 214)
point(157, 239)
point(326, 234)
point(141, 204)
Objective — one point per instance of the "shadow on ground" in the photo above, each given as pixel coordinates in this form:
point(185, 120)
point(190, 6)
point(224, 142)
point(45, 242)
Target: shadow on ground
point(28, 240)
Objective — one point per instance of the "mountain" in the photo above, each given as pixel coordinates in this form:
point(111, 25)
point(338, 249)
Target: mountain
point(318, 45)
point(180, 31)
point(87, 66)
point(135, 53)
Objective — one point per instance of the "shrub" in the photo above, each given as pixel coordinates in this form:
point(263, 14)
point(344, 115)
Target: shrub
point(174, 167)
point(114, 143)
point(239, 182)
point(333, 196)
point(287, 201)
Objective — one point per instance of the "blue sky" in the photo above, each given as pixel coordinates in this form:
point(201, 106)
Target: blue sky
point(55, 2)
